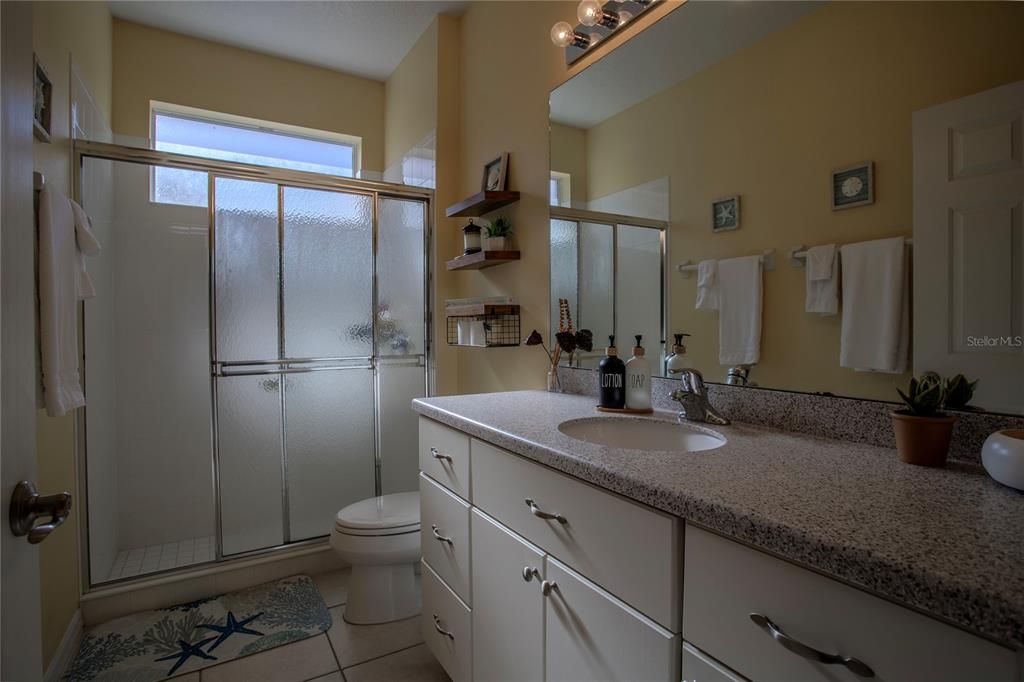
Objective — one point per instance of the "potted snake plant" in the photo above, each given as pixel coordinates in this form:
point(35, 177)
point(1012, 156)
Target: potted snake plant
point(922, 430)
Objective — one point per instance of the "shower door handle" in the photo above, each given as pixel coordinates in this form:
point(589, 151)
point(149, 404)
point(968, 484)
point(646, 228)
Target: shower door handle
point(27, 505)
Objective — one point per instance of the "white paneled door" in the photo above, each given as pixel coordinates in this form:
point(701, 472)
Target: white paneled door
point(969, 243)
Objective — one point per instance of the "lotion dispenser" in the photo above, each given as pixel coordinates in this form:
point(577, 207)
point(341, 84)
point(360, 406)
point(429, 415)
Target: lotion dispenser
point(638, 379)
point(677, 362)
point(611, 374)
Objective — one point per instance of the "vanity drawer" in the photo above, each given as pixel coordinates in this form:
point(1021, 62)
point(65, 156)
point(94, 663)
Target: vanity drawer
point(444, 456)
point(698, 666)
point(628, 549)
point(447, 627)
point(444, 523)
point(726, 582)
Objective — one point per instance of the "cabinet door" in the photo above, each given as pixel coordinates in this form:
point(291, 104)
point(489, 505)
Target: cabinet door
point(591, 635)
point(508, 611)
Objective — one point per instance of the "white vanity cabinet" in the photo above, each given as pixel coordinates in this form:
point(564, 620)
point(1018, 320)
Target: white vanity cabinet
point(566, 581)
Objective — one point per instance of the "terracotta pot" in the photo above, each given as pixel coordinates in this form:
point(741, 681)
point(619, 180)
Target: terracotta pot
point(923, 440)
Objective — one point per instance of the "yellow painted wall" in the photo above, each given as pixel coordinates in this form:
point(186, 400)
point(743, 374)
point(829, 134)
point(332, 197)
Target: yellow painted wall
point(60, 30)
point(769, 123)
point(410, 98)
point(569, 155)
point(151, 64)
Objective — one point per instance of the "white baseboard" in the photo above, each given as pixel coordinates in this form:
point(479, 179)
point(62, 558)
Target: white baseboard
point(66, 650)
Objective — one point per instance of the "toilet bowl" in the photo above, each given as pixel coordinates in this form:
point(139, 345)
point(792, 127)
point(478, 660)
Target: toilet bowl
point(380, 538)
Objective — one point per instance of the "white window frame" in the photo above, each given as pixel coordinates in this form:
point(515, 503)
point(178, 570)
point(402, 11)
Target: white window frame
point(205, 115)
point(563, 182)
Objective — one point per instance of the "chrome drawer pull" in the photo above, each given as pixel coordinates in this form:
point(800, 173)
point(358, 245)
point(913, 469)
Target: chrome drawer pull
point(546, 586)
point(529, 573)
point(438, 455)
point(858, 668)
point(541, 514)
point(437, 626)
point(438, 536)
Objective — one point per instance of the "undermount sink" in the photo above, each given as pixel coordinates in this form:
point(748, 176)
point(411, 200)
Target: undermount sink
point(640, 434)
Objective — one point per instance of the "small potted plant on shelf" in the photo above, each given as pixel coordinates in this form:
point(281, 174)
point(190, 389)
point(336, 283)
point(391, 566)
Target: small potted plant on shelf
point(498, 233)
point(922, 430)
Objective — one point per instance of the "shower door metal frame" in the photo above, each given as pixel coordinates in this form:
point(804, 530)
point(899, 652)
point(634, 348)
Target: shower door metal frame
point(281, 177)
point(616, 220)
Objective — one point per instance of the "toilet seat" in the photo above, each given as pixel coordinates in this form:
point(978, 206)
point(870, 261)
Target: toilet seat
point(394, 514)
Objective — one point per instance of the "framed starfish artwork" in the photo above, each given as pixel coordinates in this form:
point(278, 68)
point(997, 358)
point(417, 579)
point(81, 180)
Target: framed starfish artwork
point(725, 214)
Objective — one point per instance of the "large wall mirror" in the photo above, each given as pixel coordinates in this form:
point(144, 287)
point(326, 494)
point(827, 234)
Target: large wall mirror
point(730, 134)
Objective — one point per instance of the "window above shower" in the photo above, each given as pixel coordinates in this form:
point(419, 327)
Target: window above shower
point(214, 135)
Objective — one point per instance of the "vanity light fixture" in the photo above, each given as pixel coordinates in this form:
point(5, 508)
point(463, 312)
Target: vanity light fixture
point(602, 17)
point(564, 35)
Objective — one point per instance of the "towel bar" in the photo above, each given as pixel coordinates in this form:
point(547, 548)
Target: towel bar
point(766, 258)
point(798, 254)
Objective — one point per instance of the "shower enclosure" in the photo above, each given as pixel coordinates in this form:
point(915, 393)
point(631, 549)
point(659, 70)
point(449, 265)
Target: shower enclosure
point(249, 361)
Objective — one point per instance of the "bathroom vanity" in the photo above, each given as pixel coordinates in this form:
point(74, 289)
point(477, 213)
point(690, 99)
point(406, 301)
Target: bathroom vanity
point(772, 556)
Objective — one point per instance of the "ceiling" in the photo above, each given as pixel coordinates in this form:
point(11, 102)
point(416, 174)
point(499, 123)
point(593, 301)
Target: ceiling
point(690, 39)
point(366, 39)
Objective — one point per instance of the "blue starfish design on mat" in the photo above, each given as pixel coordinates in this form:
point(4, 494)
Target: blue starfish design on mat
point(187, 652)
point(232, 626)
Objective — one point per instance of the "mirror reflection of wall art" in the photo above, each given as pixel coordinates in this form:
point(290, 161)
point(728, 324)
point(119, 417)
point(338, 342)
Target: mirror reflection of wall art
point(853, 186)
point(42, 99)
point(496, 174)
point(725, 214)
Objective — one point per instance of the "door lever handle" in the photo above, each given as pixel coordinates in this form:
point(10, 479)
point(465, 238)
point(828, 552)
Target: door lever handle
point(27, 505)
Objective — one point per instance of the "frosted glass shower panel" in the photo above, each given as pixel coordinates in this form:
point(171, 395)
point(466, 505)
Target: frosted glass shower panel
point(597, 282)
point(249, 462)
point(401, 237)
point(329, 446)
point(639, 275)
point(564, 268)
point(327, 280)
point(246, 239)
point(400, 380)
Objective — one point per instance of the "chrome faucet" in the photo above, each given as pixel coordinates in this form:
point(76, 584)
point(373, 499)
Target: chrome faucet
point(693, 400)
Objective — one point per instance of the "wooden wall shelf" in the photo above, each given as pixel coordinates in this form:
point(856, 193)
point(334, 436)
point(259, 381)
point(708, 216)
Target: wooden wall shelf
point(482, 259)
point(480, 204)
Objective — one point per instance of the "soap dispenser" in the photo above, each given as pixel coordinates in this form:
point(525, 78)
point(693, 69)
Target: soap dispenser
point(611, 374)
point(677, 361)
point(638, 379)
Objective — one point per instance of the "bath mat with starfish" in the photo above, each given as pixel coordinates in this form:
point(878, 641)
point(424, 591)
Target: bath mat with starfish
point(156, 645)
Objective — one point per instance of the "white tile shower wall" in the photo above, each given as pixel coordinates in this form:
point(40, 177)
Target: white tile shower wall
point(161, 342)
point(417, 166)
point(141, 560)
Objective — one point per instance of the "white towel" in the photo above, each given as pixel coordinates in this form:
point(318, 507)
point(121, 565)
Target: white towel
point(822, 280)
point(876, 306)
point(65, 236)
point(707, 285)
point(739, 316)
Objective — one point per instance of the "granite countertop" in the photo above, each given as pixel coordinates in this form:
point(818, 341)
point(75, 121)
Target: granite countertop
point(948, 542)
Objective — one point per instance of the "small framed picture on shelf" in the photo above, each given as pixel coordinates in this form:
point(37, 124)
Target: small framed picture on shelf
point(496, 174)
point(42, 101)
point(853, 186)
point(725, 214)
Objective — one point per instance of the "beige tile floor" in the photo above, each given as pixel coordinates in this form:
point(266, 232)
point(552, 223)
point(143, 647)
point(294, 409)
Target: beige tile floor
point(393, 652)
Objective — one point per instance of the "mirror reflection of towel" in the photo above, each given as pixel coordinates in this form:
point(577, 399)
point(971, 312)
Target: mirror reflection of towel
point(707, 285)
point(822, 280)
point(739, 314)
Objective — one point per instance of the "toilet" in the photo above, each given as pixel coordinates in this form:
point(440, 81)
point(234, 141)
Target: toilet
point(380, 538)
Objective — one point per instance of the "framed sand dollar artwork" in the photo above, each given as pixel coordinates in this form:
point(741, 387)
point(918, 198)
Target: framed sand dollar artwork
point(853, 186)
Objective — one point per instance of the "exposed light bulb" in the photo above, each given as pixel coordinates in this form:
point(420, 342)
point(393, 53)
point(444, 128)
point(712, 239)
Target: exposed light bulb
point(589, 12)
point(562, 34)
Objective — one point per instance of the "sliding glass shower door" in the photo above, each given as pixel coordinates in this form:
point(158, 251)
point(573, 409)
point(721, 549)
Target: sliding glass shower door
point(275, 338)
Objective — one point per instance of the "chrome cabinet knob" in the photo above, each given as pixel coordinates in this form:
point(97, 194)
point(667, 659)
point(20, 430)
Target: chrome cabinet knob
point(529, 573)
point(547, 586)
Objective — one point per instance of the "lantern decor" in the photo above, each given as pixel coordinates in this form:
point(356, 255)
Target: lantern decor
point(471, 238)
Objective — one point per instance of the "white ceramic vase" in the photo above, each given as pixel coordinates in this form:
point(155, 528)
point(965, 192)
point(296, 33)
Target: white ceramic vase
point(1003, 457)
point(495, 243)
